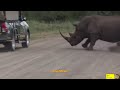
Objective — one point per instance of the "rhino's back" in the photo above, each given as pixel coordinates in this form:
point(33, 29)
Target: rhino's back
point(114, 20)
point(109, 27)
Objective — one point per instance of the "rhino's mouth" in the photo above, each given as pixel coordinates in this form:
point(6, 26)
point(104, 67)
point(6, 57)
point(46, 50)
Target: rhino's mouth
point(72, 40)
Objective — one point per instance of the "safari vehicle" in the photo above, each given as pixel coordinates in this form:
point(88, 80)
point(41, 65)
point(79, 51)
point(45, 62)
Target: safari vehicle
point(14, 29)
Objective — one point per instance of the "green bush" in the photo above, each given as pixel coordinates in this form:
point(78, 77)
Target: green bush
point(61, 16)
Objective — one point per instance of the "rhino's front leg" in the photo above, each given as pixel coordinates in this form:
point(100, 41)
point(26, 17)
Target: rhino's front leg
point(86, 43)
point(93, 39)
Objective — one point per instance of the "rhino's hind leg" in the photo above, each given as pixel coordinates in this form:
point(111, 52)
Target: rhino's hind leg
point(85, 45)
point(118, 43)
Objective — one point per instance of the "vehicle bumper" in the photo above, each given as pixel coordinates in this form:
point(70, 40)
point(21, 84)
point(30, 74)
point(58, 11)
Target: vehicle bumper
point(5, 37)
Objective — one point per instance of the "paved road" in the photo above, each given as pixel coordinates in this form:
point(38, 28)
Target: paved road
point(45, 55)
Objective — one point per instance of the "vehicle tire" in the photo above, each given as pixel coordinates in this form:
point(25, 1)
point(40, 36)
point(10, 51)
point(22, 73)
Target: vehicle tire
point(25, 44)
point(12, 44)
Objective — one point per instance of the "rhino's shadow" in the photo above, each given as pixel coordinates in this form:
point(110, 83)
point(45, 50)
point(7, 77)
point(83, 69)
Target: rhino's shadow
point(73, 48)
point(114, 49)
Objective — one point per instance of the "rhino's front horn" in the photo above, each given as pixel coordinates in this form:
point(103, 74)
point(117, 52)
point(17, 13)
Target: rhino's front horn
point(66, 38)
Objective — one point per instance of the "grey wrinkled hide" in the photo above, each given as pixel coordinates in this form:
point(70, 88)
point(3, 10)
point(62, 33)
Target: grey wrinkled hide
point(106, 28)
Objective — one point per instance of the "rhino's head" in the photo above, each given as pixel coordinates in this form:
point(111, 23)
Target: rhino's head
point(75, 38)
point(71, 34)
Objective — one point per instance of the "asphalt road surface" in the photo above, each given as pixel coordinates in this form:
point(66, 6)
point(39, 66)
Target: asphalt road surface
point(45, 55)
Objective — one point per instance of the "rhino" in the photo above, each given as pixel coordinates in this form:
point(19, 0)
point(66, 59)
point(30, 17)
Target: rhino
point(93, 28)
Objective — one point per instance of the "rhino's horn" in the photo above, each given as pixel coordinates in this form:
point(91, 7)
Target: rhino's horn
point(71, 34)
point(66, 38)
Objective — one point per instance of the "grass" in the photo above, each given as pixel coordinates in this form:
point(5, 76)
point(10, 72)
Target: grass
point(43, 30)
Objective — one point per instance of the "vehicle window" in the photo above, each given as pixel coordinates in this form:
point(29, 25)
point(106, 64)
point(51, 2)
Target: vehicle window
point(1, 16)
point(12, 15)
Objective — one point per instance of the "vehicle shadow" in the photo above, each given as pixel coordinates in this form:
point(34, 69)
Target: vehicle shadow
point(2, 49)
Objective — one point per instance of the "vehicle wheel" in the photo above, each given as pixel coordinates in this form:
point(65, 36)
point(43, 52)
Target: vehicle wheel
point(25, 44)
point(12, 44)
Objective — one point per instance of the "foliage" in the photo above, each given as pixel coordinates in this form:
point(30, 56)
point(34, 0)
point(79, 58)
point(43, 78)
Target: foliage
point(52, 16)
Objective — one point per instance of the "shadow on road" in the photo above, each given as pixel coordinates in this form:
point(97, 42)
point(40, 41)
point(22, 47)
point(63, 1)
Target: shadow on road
point(2, 49)
point(73, 48)
point(115, 49)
